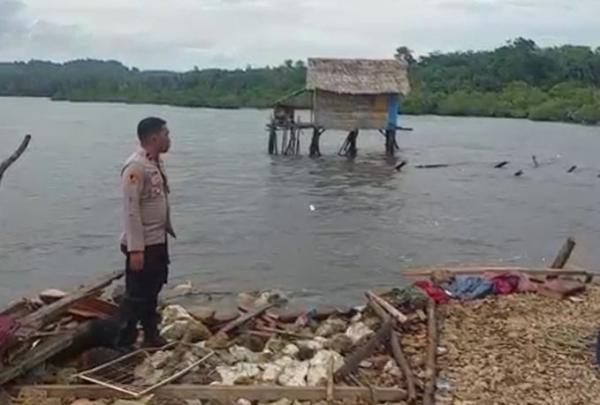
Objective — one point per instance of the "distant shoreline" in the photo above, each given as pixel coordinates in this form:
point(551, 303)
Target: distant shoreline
point(262, 108)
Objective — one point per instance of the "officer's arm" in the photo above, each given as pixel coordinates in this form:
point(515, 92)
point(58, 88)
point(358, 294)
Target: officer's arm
point(132, 185)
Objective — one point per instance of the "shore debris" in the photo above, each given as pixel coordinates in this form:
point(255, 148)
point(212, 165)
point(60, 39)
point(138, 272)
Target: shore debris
point(406, 344)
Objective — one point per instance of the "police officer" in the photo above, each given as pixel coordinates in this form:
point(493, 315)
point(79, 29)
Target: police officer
point(146, 223)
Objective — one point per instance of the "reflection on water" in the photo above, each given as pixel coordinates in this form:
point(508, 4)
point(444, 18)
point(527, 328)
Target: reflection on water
point(244, 219)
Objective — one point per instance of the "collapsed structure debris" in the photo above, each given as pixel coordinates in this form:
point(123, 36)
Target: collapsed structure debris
point(394, 349)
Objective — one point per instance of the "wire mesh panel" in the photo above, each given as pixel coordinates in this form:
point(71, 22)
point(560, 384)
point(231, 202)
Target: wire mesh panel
point(142, 371)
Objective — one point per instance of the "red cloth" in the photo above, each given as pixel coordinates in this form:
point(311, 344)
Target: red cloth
point(8, 327)
point(435, 293)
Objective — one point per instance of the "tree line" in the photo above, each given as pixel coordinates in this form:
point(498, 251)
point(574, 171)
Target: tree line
point(519, 79)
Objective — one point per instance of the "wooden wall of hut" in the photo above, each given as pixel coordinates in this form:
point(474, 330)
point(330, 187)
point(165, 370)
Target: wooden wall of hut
point(346, 112)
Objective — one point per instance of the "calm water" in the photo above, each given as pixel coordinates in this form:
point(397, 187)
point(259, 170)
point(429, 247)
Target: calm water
point(243, 217)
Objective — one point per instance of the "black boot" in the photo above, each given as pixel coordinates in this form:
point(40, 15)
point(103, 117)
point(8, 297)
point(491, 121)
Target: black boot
point(129, 335)
point(152, 337)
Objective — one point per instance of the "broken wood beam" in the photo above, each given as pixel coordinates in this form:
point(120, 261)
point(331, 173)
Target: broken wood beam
point(236, 323)
point(225, 394)
point(357, 356)
point(402, 362)
point(428, 272)
point(36, 356)
point(564, 254)
point(389, 308)
point(16, 155)
point(31, 323)
point(432, 344)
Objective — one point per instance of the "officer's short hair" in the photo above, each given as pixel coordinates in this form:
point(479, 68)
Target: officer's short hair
point(149, 126)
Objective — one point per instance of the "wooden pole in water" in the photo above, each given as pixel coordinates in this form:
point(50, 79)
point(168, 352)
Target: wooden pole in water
point(390, 142)
point(564, 254)
point(314, 150)
point(13, 158)
point(272, 139)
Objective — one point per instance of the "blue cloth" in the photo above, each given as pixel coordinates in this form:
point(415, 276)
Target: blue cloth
point(470, 287)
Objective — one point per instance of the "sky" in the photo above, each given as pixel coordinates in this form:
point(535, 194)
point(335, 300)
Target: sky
point(181, 34)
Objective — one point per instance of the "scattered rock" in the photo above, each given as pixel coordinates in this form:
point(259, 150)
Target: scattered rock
point(218, 342)
point(324, 312)
point(251, 342)
point(287, 315)
point(198, 331)
point(275, 345)
point(392, 368)
point(315, 344)
point(358, 331)
point(270, 373)
point(201, 313)
point(242, 354)
point(225, 315)
point(319, 367)
point(83, 402)
point(241, 373)
point(243, 401)
point(175, 330)
point(340, 343)
point(282, 401)
point(294, 374)
point(305, 353)
point(174, 313)
point(330, 327)
point(290, 350)
point(51, 295)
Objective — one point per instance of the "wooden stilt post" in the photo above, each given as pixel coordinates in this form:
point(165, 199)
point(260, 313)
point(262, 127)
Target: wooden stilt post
point(272, 139)
point(390, 142)
point(314, 150)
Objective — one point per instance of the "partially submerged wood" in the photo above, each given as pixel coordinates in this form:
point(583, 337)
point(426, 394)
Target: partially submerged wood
point(564, 254)
point(402, 362)
point(432, 344)
point(227, 394)
point(16, 155)
point(354, 359)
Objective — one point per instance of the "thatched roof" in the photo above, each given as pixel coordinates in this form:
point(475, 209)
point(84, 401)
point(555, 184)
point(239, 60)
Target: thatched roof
point(358, 76)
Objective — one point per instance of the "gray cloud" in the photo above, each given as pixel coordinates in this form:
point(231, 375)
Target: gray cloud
point(230, 33)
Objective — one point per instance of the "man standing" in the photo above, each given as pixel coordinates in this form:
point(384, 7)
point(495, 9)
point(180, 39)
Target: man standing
point(146, 225)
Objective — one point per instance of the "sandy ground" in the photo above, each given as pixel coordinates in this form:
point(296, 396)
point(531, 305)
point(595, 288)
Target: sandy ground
point(520, 349)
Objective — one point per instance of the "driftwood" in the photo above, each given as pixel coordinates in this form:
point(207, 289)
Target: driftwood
point(433, 166)
point(13, 158)
point(38, 355)
point(429, 271)
point(357, 356)
point(404, 365)
point(564, 254)
point(432, 338)
point(226, 394)
point(501, 164)
point(236, 323)
point(33, 322)
point(389, 308)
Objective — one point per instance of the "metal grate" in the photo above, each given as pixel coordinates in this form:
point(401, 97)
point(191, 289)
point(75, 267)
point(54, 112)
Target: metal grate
point(119, 374)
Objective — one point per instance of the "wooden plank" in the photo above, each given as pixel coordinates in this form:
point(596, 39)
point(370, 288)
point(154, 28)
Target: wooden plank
point(402, 362)
point(389, 308)
point(38, 355)
point(357, 356)
point(227, 394)
point(36, 320)
point(432, 338)
point(564, 254)
point(16, 155)
point(428, 271)
point(236, 323)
